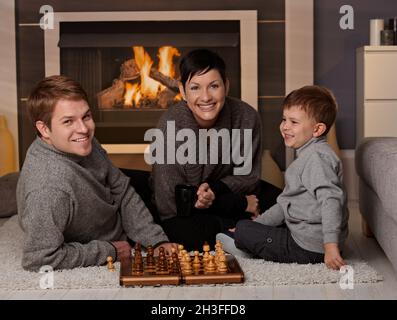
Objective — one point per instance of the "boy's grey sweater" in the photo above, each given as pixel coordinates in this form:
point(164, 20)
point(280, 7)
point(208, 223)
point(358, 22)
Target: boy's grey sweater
point(71, 207)
point(313, 203)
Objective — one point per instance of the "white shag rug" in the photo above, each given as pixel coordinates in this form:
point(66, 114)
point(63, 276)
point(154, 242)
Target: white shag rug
point(257, 272)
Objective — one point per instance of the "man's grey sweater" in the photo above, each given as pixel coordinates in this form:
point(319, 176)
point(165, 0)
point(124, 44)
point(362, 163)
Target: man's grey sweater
point(71, 207)
point(235, 114)
point(313, 203)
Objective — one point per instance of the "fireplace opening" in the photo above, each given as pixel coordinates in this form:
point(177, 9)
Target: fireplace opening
point(130, 68)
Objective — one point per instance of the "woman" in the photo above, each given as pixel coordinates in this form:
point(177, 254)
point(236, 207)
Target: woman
point(222, 195)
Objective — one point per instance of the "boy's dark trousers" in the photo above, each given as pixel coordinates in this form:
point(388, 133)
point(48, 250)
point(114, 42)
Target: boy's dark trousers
point(272, 243)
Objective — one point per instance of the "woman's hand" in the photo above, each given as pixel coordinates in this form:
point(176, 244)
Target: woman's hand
point(252, 206)
point(205, 196)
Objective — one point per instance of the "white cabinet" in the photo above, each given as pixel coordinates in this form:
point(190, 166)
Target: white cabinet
point(376, 101)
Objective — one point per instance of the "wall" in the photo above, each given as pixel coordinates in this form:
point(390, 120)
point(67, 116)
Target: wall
point(334, 54)
point(8, 95)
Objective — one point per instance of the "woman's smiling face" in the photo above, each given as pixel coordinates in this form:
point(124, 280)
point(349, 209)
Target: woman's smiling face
point(205, 95)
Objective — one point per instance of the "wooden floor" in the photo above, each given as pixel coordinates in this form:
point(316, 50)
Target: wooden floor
point(367, 248)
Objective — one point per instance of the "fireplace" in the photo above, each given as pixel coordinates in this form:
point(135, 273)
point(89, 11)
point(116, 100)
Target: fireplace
point(127, 62)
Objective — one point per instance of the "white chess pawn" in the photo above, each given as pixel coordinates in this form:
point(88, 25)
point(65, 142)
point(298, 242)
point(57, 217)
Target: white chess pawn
point(110, 264)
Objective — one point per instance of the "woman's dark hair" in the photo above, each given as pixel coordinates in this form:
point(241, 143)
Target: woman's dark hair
point(200, 61)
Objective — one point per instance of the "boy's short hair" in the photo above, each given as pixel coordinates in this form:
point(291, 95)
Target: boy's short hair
point(200, 61)
point(318, 102)
point(45, 95)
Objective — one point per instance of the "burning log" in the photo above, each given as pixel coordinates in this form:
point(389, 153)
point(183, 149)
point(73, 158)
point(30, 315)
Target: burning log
point(145, 94)
point(165, 97)
point(111, 96)
point(170, 83)
point(129, 70)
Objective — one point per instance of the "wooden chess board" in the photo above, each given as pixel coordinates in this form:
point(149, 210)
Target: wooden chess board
point(147, 277)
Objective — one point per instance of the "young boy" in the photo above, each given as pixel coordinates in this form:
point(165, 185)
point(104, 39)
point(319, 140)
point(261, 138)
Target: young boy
point(75, 207)
point(309, 222)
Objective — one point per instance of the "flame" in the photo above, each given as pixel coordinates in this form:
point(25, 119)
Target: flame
point(132, 93)
point(166, 56)
point(148, 87)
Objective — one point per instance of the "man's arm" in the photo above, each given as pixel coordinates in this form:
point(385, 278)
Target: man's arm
point(138, 222)
point(136, 219)
point(44, 221)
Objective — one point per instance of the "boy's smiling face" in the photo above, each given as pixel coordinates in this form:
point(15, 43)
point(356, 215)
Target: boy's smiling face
point(297, 127)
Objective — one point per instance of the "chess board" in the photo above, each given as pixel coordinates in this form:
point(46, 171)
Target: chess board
point(150, 277)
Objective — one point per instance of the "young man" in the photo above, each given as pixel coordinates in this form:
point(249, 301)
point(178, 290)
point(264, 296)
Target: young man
point(309, 222)
point(75, 207)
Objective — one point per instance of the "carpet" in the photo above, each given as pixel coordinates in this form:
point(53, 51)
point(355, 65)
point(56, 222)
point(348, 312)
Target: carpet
point(257, 272)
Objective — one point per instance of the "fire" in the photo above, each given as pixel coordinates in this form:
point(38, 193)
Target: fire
point(148, 87)
point(166, 55)
point(132, 93)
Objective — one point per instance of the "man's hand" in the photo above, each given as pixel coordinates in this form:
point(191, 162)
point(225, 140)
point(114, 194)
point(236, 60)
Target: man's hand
point(167, 247)
point(205, 196)
point(123, 249)
point(252, 206)
point(332, 257)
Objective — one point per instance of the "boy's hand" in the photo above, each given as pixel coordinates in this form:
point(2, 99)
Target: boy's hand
point(252, 206)
point(332, 257)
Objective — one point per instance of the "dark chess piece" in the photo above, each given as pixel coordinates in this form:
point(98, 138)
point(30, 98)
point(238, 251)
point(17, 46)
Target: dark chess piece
point(138, 248)
point(175, 267)
point(137, 267)
point(162, 263)
point(150, 261)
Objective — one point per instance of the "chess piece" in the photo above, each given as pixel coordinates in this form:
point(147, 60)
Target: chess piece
point(218, 245)
point(182, 260)
point(137, 267)
point(196, 260)
point(150, 262)
point(138, 248)
point(218, 251)
point(187, 267)
point(162, 263)
point(110, 264)
point(222, 266)
point(206, 249)
point(175, 265)
point(210, 266)
point(181, 253)
point(174, 256)
point(180, 248)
